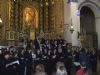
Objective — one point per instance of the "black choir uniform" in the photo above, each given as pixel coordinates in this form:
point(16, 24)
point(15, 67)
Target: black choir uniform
point(36, 44)
point(54, 60)
point(76, 59)
point(60, 57)
point(94, 62)
point(77, 56)
point(11, 69)
point(43, 41)
point(69, 62)
point(28, 62)
point(44, 59)
point(1, 64)
point(22, 64)
point(38, 59)
point(15, 66)
point(7, 70)
point(49, 61)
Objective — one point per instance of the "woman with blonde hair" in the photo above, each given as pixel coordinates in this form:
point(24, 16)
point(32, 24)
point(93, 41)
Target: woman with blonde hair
point(39, 70)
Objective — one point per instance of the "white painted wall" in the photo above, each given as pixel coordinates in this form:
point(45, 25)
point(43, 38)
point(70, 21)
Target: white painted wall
point(98, 30)
point(67, 34)
point(75, 23)
point(70, 12)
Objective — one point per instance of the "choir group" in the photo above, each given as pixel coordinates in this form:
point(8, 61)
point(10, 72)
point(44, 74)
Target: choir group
point(49, 57)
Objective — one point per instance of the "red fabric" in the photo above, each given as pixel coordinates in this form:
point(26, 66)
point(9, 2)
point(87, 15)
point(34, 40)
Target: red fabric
point(80, 72)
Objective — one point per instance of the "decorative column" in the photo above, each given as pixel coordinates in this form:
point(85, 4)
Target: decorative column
point(12, 21)
point(46, 16)
point(51, 19)
point(16, 19)
point(15, 22)
point(10, 30)
point(12, 8)
point(41, 18)
point(58, 18)
point(20, 17)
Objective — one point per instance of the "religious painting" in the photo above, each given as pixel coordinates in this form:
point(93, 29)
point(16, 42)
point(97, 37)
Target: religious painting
point(30, 17)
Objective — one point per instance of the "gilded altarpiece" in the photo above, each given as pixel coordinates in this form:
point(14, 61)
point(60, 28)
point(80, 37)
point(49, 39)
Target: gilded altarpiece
point(33, 17)
point(14, 26)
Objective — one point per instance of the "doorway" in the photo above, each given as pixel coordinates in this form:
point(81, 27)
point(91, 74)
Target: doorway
point(88, 27)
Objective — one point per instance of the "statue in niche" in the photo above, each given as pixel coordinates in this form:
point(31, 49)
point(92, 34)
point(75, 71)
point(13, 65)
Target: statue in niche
point(29, 17)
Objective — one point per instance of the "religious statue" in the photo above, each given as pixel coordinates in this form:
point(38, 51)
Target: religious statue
point(29, 16)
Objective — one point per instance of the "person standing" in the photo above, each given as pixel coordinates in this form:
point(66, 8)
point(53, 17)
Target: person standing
point(94, 62)
point(36, 43)
point(28, 61)
point(69, 61)
point(22, 63)
point(49, 61)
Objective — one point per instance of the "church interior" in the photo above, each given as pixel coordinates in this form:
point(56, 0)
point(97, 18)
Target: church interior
point(49, 31)
point(75, 21)
point(32, 17)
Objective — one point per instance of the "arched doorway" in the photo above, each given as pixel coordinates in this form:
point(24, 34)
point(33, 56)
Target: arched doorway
point(88, 27)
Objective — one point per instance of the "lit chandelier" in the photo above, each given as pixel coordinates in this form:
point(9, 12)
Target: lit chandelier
point(71, 27)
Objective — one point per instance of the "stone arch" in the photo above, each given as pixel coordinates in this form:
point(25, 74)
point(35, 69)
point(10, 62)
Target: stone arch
point(96, 11)
point(93, 6)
